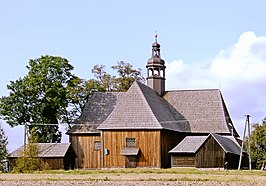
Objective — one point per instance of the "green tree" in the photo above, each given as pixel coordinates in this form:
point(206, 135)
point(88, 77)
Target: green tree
point(78, 93)
point(121, 82)
point(43, 97)
point(103, 79)
point(258, 144)
point(126, 76)
point(3, 144)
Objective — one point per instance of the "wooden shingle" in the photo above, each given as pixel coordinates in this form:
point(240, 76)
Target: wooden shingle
point(204, 110)
point(46, 150)
point(191, 144)
point(96, 110)
point(142, 108)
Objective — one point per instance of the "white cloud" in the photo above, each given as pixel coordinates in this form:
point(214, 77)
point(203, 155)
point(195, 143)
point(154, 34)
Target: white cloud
point(239, 71)
point(242, 61)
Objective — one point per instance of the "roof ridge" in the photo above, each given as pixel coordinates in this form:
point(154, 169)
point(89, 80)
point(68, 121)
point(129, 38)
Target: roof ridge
point(207, 89)
point(167, 119)
point(134, 96)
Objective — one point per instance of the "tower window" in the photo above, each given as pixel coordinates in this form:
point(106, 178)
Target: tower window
point(131, 142)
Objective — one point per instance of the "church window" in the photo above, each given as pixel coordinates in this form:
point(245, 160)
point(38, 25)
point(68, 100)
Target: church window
point(131, 142)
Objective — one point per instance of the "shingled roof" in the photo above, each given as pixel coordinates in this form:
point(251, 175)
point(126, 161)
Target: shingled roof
point(204, 110)
point(143, 108)
point(191, 111)
point(228, 143)
point(191, 144)
point(46, 150)
point(96, 110)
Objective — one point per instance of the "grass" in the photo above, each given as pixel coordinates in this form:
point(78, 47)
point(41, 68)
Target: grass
point(155, 171)
point(141, 174)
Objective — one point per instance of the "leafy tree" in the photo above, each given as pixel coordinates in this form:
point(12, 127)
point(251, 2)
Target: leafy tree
point(258, 144)
point(103, 79)
point(78, 93)
point(43, 96)
point(50, 94)
point(126, 75)
point(3, 144)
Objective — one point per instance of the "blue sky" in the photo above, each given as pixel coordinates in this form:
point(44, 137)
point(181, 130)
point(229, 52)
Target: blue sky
point(206, 44)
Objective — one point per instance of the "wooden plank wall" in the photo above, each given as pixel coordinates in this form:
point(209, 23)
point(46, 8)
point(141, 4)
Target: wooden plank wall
point(54, 163)
point(147, 140)
point(183, 160)
point(210, 155)
point(87, 157)
point(169, 139)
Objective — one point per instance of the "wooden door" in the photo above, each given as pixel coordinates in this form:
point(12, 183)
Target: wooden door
point(131, 161)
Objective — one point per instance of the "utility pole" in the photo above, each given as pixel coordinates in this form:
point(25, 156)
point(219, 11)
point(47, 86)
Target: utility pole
point(25, 136)
point(249, 154)
point(247, 124)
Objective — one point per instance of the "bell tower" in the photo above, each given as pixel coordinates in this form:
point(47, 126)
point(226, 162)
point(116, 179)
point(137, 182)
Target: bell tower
point(156, 69)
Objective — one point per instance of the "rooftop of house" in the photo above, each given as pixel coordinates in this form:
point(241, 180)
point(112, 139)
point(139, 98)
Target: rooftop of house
point(45, 150)
point(192, 111)
point(191, 144)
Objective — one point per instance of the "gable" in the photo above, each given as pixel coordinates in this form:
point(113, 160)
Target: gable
point(204, 110)
point(141, 108)
point(228, 143)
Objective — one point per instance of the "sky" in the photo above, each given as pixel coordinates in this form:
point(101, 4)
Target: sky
point(206, 44)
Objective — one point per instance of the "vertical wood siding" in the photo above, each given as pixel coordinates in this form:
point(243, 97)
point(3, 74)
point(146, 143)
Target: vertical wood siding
point(183, 160)
point(54, 163)
point(147, 140)
point(169, 139)
point(210, 155)
point(87, 157)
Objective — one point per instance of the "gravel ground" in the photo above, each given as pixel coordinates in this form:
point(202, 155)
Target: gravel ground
point(130, 179)
point(127, 183)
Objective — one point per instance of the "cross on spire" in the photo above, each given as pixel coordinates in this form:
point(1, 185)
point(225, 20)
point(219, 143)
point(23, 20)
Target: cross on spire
point(156, 35)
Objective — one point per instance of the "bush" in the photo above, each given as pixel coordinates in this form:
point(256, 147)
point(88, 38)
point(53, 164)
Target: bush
point(28, 160)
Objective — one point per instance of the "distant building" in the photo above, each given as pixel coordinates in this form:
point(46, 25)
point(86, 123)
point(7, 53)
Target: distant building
point(55, 155)
point(147, 126)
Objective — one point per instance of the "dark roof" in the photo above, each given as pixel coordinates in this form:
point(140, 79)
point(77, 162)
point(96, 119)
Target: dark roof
point(228, 143)
point(46, 150)
point(204, 110)
point(191, 144)
point(142, 108)
point(96, 110)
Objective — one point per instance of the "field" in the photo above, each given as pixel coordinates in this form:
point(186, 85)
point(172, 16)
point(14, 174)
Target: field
point(174, 176)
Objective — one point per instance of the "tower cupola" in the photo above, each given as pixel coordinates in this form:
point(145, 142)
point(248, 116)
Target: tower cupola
point(156, 69)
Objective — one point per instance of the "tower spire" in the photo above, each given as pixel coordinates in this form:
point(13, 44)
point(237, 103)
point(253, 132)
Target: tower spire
point(156, 69)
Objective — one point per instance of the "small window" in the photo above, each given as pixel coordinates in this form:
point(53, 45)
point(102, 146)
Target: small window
point(131, 142)
point(97, 145)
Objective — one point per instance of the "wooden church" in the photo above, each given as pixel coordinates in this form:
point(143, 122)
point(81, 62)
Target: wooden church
point(148, 126)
